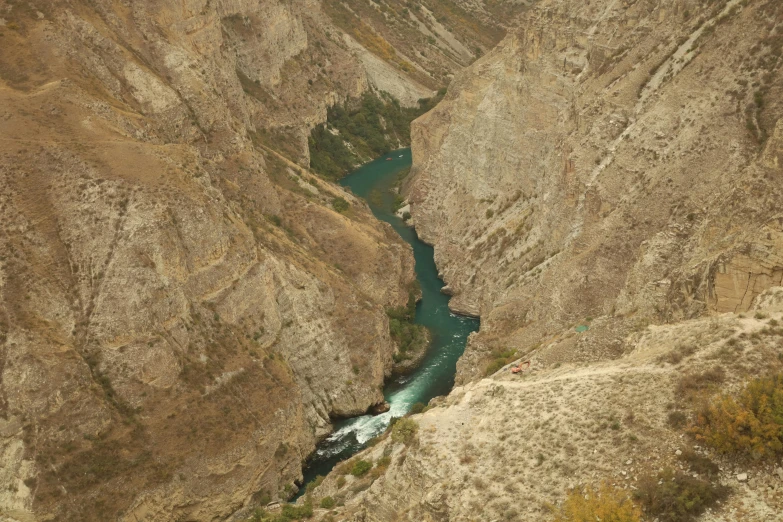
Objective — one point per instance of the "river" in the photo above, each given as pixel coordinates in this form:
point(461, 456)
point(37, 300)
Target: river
point(435, 376)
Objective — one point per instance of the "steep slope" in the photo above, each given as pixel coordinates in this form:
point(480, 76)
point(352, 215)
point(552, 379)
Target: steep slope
point(509, 447)
point(182, 310)
point(624, 168)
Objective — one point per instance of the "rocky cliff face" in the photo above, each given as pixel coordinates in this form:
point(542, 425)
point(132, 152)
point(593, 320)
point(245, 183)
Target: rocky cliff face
point(182, 311)
point(617, 171)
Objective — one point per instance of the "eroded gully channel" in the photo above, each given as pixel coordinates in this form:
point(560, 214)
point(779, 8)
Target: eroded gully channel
point(435, 376)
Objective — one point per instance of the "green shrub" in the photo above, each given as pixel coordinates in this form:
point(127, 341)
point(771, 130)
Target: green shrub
point(360, 467)
point(340, 205)
point(750, 424)
point(676, 497)
point(293, 512)
point(606, 504)
point(405, 431)
point(500, 358)
point(417, 408)
point(328, 503)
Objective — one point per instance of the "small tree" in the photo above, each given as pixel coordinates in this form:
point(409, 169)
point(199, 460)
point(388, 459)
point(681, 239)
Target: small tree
point(405, 431)
point(750, 424)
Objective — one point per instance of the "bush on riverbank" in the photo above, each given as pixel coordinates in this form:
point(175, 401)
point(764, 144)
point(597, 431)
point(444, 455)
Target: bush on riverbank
point(409, 336)
point(405, 431)
point(340, 204)
point(365, 128)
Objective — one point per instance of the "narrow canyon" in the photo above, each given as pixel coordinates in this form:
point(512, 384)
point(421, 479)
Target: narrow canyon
point(193, 295)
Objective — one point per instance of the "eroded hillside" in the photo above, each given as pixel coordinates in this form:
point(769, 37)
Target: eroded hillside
point(183, 307)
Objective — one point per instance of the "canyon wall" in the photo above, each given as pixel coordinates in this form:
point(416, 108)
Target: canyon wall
point(182, 311)
point(608, 164)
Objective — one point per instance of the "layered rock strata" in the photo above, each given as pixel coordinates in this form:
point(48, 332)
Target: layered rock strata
point(618, 170)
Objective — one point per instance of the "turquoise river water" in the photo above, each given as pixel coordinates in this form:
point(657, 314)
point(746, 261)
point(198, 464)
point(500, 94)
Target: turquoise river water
point(435, 376)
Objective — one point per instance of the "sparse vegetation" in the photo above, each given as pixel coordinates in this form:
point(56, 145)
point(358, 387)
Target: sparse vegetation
point(500, 358)
point(677, 419)
point(605, 503)
point(314, 484)
point(418, 408)
point(699, 463)
point(693, 383)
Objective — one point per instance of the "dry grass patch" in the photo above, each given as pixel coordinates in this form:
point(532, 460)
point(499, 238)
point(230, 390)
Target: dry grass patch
point(676, 497)
point(606, 504)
